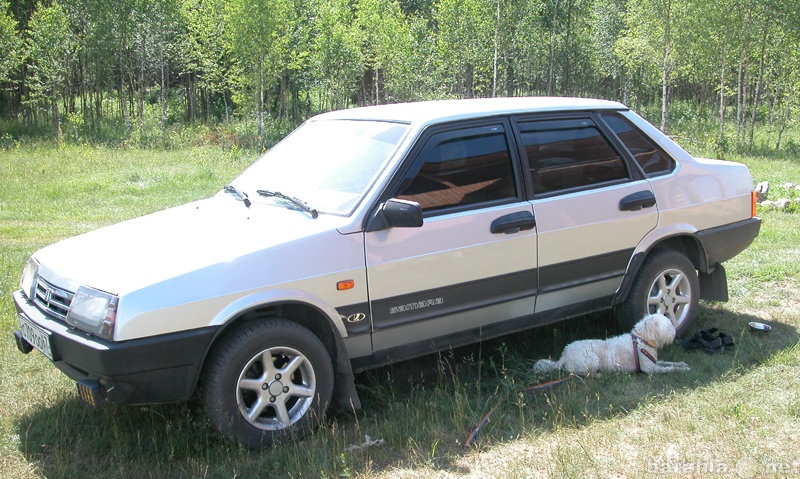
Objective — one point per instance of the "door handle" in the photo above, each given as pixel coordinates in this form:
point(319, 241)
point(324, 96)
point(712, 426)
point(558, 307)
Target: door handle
point(513, 223)
point(637, 201)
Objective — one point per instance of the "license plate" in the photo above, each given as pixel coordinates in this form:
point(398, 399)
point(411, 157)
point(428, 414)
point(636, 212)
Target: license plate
point(38, 337)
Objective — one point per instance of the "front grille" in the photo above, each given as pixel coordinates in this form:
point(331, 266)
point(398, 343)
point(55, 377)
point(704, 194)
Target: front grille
point(53, 300)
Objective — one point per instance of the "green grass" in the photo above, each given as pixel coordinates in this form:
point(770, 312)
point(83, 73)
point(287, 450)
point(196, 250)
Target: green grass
point(734, 413)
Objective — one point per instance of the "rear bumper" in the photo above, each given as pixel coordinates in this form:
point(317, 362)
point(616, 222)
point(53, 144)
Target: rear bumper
point(141, 371)
point(724, 242)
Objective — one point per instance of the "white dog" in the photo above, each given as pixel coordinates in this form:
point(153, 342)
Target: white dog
point(632, 352)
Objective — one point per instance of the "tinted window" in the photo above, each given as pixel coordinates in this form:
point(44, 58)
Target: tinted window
point(567, 154)
point(650, 157)
point(459, 168)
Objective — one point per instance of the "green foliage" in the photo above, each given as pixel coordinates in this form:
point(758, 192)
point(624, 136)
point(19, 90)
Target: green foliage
point(206, 53)
point(94, 63)
point(463, 47)
point(390, 52)
point(10, 44)
point(337, 59)
point(51, 46)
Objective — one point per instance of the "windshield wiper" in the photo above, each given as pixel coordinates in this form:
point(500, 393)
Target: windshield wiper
point(240, 194)
point(295, 201)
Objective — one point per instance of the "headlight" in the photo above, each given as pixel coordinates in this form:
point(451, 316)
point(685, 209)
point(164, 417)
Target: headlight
point(93, 311)
point(28, 281)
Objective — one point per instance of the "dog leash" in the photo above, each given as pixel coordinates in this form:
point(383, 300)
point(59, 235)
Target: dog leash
point(485, 419)
point(637, 351)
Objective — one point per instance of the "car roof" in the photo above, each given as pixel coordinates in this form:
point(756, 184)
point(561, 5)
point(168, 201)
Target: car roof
point(448, 110)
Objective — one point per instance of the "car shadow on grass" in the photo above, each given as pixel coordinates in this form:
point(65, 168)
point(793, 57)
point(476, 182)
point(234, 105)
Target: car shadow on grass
point(417, 413)
point(467, 383)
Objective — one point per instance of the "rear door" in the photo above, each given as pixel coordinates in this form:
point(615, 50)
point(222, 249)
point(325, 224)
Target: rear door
point(592, 208)
point(473, 262)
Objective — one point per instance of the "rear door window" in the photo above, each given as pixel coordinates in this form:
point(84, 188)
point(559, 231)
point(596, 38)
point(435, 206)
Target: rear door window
point(568, 154)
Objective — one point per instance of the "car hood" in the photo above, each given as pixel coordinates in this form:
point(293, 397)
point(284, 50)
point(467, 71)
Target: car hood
point(133, 254)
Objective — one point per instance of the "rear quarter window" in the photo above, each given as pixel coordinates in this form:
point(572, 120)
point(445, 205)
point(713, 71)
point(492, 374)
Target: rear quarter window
point(651, 158)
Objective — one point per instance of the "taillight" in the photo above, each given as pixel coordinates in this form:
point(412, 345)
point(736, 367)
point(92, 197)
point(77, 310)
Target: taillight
point(753, 204)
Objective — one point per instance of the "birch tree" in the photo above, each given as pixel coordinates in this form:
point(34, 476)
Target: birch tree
point(51, 49)
point(10, 44)
point(256, 33)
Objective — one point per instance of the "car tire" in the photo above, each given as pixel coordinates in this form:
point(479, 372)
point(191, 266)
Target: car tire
point(667, 283)
point(267, 380)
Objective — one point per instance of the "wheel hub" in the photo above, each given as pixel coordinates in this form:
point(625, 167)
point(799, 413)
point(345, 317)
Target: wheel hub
point(275, 388)
point(668, 299)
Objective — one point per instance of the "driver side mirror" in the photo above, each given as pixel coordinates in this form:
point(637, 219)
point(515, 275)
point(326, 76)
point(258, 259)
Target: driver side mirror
point(396, 213)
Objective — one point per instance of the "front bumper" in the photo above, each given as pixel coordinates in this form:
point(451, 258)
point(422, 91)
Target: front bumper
point(150, 370)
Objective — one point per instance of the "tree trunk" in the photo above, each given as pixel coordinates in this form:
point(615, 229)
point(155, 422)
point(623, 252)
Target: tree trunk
point(665, 71)
point(225, 102)
point(163, 96)
point(283, 108)
point(494, 58)
point(722, 90)
point(741, 95)
point(140, 92)
point(122, 96)
point(191, 98)
point(757, 93)
point(783, 122)
point(552, 60)
point(773, 101)
point(260, 114)
point(56, 120)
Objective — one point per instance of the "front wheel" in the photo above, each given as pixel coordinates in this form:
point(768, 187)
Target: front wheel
point(667, 284)
point(268, 380)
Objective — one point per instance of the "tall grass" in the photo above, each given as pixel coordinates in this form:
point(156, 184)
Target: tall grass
point(734, 410)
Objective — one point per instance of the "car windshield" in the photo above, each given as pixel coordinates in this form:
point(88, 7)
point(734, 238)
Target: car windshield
point(328, 164)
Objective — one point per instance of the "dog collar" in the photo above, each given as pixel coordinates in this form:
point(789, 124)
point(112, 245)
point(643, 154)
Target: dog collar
point(639, 338)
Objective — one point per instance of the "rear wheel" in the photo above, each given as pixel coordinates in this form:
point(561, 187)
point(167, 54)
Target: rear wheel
point(667, 284)
point(268, 380)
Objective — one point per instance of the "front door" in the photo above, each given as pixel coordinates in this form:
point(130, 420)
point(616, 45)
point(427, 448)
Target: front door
point(473, 262)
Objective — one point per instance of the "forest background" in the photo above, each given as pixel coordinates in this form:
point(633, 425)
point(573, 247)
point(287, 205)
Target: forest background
point(111, 109)
point(161, 73)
